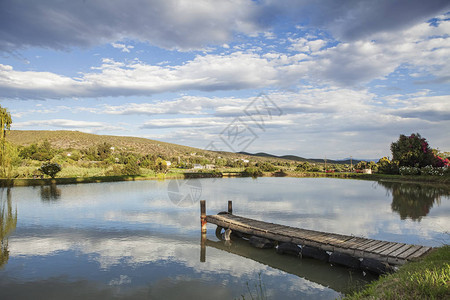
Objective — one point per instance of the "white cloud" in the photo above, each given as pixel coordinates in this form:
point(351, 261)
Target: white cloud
point(206, 73)
point(123, 47)
point(422, 48)
point(87, 126)
point(169, 24)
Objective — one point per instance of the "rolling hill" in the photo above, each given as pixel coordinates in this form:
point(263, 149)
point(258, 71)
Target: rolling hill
point(66, 139)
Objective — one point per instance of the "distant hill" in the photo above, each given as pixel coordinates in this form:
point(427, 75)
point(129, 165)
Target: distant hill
point(302, 159)
point(66, 139)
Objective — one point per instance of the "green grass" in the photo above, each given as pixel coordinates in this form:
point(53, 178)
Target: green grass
point(428, 278)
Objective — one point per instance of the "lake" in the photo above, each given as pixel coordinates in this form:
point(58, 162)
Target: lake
point(141, 240)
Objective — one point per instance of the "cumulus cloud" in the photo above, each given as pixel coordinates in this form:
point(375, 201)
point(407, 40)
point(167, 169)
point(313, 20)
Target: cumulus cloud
point(206, 73)
point(187, 25)
point(122, 47)
point(422, 48)
point(169, 24)
point(355, 20)
point(87, 126)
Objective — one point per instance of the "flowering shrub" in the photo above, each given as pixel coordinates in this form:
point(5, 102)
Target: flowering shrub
point(409, 171)
point(434, 171)
point(441, 162)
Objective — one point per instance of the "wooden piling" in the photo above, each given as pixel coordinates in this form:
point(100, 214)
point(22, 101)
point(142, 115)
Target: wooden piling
point(230, 207)
point(203, 215)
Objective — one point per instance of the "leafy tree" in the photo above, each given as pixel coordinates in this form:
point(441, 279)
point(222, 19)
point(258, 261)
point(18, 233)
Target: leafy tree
point(386, 166)
point(5, 122)
point(5, 125)
point(412, 151)
point(42, 152)
point(50, 169)
point(28, 151)
point(104, 151)
point(160, 165)
point(252, 171)
point(131, 167)
point(266, 167)
point(303, 167)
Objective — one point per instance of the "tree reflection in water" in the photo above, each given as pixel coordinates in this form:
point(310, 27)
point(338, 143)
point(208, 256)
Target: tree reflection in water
point(8, 222)
point(413, 200)
point(50, 193)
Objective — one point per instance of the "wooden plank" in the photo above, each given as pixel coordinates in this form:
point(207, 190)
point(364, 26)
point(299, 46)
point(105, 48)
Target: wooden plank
point(392, 249)
point(353, 242)
point(400, 250)
point(420, 252)
point(368, 245)
point(376, 246)
point(339, 240)
point(383, 248)
point(408, 252)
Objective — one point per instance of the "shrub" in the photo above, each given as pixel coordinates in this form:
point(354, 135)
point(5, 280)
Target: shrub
point(266, 167)
point(386, 166)
point(132, 167)
point(252, 171)
point(50, 169)
point(433, 171)
point(409, 171)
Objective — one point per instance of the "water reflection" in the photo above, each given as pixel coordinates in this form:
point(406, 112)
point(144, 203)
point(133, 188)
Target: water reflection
point(8, 222)
point(338, 278)
point(50, 193)
point(130, 240)
point(413, 200)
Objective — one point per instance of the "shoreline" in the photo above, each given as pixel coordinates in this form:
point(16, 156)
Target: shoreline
point(15, 182)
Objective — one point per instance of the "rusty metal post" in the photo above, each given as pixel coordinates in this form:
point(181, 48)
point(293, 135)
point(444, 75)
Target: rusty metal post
point(203, 215)
point(230, 207)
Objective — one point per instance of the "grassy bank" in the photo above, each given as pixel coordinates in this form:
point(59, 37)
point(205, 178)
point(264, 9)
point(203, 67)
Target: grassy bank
point(91, 175)
point(376, 177)
point(93, 179)
point(428, 278)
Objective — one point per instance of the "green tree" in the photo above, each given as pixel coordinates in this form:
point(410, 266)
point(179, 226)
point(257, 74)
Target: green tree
point(412, 151)
point(386, 166)
point(50, 169)
point(104, 150)
point(160, 165)
point(303, 167)
point(266, 167)
point(5, 125)
point(132, 166)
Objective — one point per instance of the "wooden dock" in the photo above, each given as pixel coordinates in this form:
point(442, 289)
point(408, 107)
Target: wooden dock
point(389, 252)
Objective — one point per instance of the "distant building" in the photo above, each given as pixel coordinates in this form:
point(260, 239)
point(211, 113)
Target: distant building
point(198, 166)
point(210, 167)
point(168, 163)
point(367, 171)
point(245, 161)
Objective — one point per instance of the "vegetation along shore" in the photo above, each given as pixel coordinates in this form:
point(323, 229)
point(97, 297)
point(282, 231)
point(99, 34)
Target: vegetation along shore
point(77, 157)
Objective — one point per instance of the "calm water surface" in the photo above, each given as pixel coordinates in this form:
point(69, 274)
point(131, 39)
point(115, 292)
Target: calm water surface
point(141, 240)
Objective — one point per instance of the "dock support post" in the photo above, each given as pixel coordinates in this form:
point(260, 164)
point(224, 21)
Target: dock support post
point(203, 215)
point(230, 207)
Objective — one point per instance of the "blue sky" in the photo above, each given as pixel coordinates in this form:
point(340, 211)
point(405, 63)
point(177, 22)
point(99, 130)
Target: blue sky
point(339, 78)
